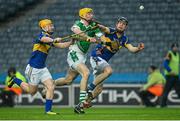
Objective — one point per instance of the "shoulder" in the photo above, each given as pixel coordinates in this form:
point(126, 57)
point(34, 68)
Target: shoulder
point(43, 34)
point(38, 39)
point(112, 30)
point(78, 23)
point(125, 39)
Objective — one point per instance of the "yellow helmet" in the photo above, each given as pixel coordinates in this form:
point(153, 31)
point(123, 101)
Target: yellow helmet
point(84, 11)
point(44, 22)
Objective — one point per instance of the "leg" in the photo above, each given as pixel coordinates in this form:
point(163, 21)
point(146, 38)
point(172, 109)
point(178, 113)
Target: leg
point(145, 95)
point(177, 86)
point(107, 71)
point(28, 88)
point(101, 71)
point(77, 61)
point(91, 95)
point(101, 77)
point(71, 75)
point(84, 72)
point(50, 88)
point(97, 90)
point(168, 86)
point(49, 84)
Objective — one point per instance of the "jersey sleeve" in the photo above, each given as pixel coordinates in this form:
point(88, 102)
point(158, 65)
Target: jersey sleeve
point(112, 30)
point(76, 25)
point(125, 40)
point(38, 40)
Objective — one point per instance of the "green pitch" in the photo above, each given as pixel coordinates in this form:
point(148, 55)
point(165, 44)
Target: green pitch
point(92, 114)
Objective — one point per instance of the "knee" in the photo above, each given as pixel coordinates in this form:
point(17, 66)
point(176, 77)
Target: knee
point(69, 80)
point(50, 86)
point(99, 89)
point(85, 74)
point(32, 92)
point(108, 71)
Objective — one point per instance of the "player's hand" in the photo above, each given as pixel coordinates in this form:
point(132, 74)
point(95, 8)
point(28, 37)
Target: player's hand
point(57, 40)
point(100, 26)
point(72, 41)
point(91, 39)
point(141, 46)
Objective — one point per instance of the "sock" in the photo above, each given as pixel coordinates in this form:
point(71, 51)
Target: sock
point(17, 81)
point(48, 105)
point(91, 87)
point(82, 96)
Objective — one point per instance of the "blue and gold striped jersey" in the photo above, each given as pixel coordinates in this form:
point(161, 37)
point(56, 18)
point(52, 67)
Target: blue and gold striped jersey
point(40, 52)
point(105, 51)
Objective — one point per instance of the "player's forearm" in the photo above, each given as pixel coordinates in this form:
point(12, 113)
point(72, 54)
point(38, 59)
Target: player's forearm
point(62, 45)
point(103, 28)
point(47, 40)
point(66, 44)
point(134, 49)
point(82, 36)
point(78, 31)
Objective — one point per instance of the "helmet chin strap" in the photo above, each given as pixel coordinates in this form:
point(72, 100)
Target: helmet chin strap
point(86, 19)
point(119, 31)
point(45, 29)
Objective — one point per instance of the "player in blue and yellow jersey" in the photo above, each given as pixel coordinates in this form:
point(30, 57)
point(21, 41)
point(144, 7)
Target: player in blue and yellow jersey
point(36, 70)
point(114, 39)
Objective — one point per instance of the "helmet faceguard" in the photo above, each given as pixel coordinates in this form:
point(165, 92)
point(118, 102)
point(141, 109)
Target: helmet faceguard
point(123, 19)
point(43, 24)
point(83, 12)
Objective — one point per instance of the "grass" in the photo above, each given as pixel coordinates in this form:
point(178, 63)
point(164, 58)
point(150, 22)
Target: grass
point(92, 114)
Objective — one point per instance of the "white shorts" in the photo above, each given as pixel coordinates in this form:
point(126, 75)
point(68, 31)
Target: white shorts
point(98, 64)
point(35, 76)
point(75, 57)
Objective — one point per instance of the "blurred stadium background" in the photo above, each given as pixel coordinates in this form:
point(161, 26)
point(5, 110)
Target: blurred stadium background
point(157, 25)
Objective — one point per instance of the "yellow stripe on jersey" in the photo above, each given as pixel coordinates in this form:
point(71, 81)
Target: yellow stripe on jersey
point(126, 43)
point(105, 39)
point(41, 47)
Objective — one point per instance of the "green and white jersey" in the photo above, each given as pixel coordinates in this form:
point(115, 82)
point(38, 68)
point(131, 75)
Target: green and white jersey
point(84, 45)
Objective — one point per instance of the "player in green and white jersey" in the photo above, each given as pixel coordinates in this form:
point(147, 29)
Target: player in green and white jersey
point(78, 53)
